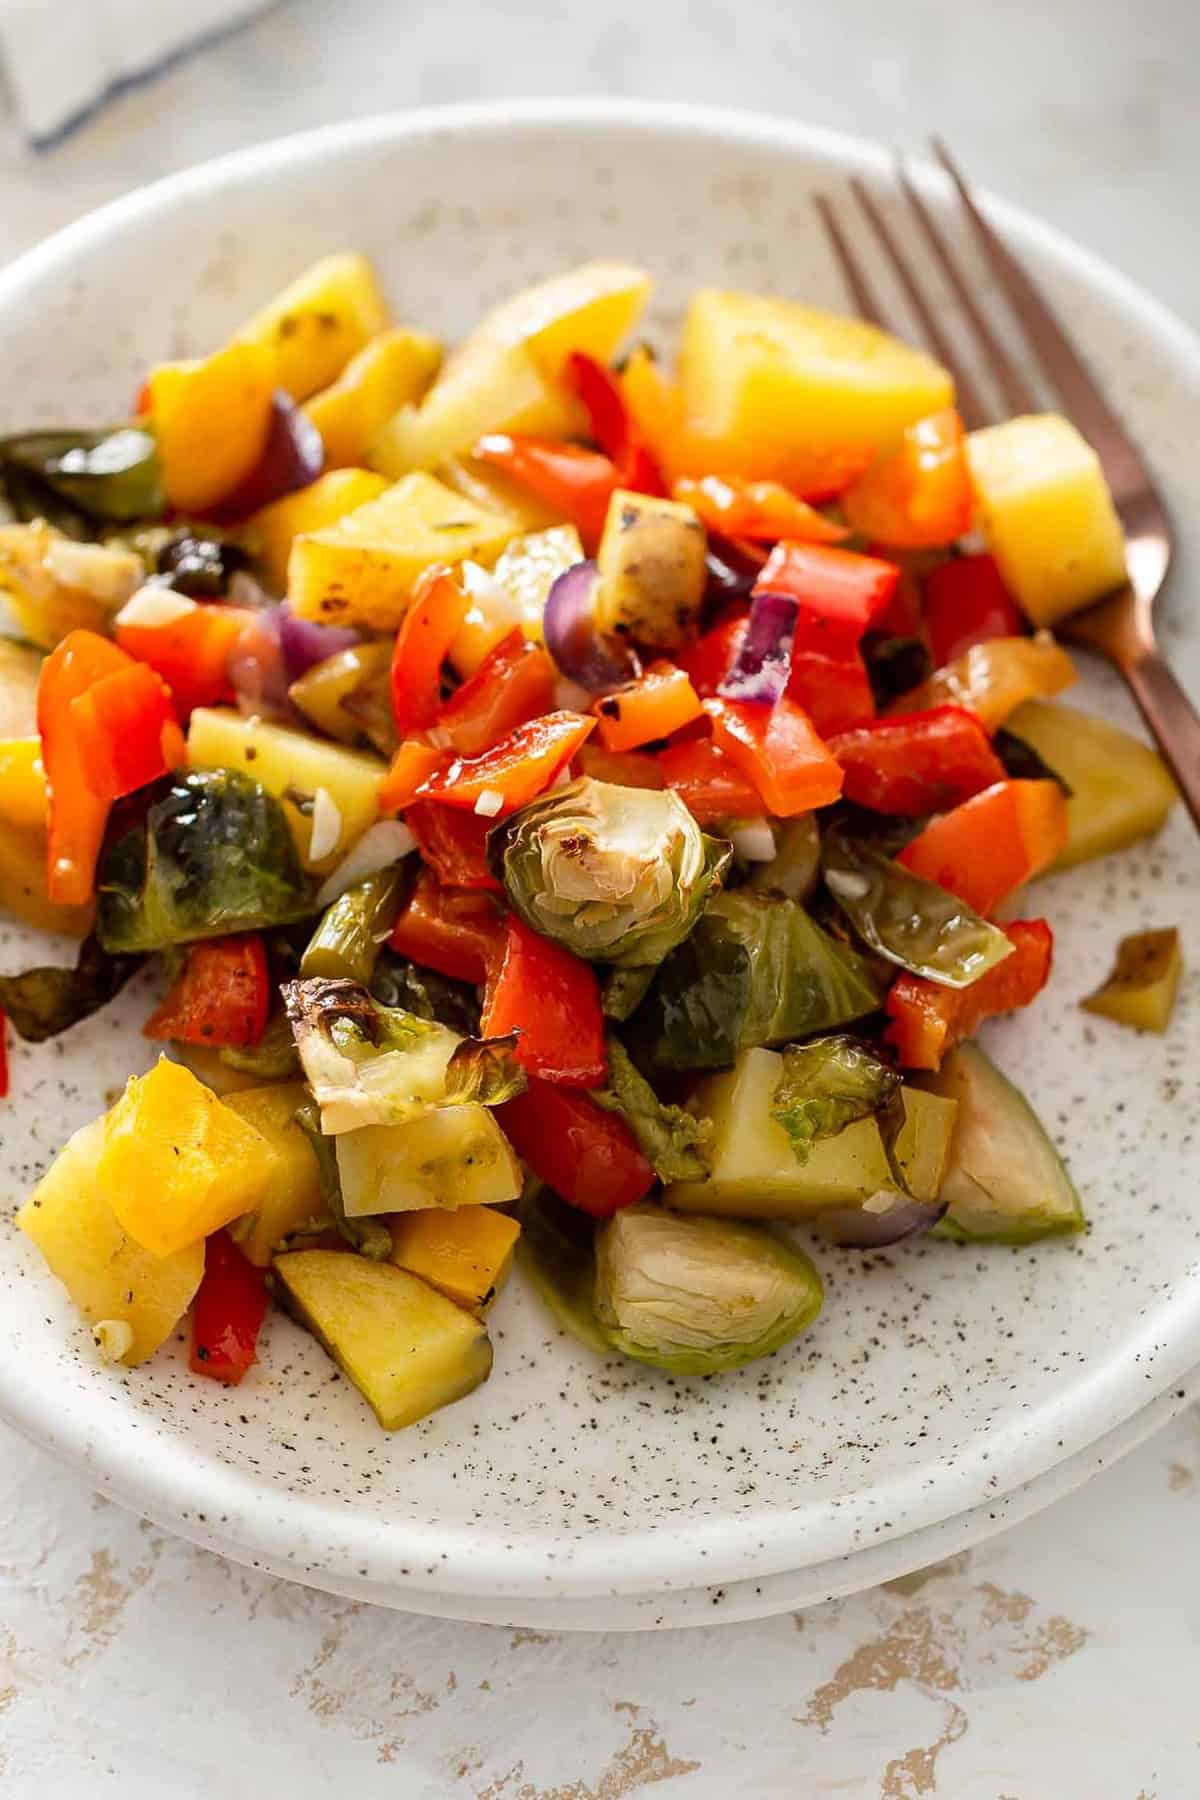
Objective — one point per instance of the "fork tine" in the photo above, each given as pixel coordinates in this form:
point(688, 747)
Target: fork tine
point(865, 302)
point(969, 403)
point(1018, 396)
point(1061, 362)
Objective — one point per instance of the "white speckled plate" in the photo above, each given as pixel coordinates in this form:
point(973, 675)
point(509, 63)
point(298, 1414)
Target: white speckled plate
point(938, 1378)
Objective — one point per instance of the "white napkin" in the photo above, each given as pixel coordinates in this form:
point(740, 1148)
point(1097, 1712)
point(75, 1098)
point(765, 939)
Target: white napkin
point(65, 57)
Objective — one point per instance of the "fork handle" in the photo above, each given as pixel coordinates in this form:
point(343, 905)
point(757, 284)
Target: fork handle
point(1172, 719)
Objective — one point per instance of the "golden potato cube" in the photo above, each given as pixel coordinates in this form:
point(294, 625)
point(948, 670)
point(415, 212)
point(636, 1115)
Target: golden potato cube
point(54, 585)
point(177, 1163)
point(652, 570)
point(292, 1198)
point(1047, 514)
point(525, 571)
point(362, 570)
point(788, 389)
point(591, 307)
point(392, 371)
point(497, 493)
point(211, 419)
point(23, 885)
point(326, 500)
point(484, 387)
point(325, 692)
point(406, 1348)
point(1144, 982)
point(1121, 790)
point(318, 323)
point(22, 784)
point(108, 1275)
point(466, 1254)
point(286, 762)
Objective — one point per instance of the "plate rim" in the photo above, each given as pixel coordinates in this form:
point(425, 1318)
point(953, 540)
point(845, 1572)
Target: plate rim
point(176, 1483)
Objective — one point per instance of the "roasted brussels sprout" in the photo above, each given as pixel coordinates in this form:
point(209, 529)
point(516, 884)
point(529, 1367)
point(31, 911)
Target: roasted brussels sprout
point(619, 875)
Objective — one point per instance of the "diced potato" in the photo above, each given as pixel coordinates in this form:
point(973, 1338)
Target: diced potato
point(515, 594)
point(1144, 982)
point(326, 500)
point(54, 585)
point(466, 1254)
point(292, 1198)
point(361, 571)
point(652, 570)
point(325, 692)
point(20, 668)
point(392, 371)
point(591, 307)
point(1121, 790)
point(1047, 514)
point(107, 1274)
point(484, 387)
point(22, 784)
point(789, 390)
point(211, 419)
point(176, 1163)
point(23, 885)
point(755, 1171)
point(289, 762)
point(318, 322)
point(450, 1156)
point(497, 493)
point(406, 1348)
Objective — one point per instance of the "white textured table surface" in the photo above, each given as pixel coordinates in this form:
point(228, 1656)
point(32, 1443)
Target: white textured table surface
point(1059, 1660)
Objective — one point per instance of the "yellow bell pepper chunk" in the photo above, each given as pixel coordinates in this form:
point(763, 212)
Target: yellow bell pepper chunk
point(22, 784)
point(311, 508)
point(392, 371)
point(211, 419)
point(292, 1197)
point(108, 1275)
point(177, 1163)
point(466, 1254)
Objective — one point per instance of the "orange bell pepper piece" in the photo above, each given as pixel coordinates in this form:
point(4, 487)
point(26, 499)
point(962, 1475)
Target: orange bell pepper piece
point(625, 768)
point(191, 652)
point(222, 997)
point(778, 750)
point(927, 1020)
point(575, 483)
point(710, 783)
point(513, 771)
point(919, 495)
point(427, 630)
point(990, 845)
point(460, 934)
point(660, 702)
point(992, 679)
point(412, 765)
point(127, 730)
point(514, 682)
point(552, 1000)
point(755, 509)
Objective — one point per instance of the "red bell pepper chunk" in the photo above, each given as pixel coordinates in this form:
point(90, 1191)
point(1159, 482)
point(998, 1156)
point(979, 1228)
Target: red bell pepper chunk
point(453, 843)
point(575, 483)
point(427, 630)
point(513, 771)
point(228, 1311)
point(764, 510)
point(917, 763)
point(990, 845)
point(514, 682)
point(587, 1155)
point(654, 706)
point(552, 1000)
point(222, 997)
point(412, 765)
point(611, 424)
point(191, 652)
point(710, 783)
point(3, 1056)
point(835, 691)
point(457, 932)
point(127, 730)
point(77, 809)
point(840, 593)
point(779, 752)
point(927, 1020)
point(708, 661)
point(966, 603)
point(919, 495)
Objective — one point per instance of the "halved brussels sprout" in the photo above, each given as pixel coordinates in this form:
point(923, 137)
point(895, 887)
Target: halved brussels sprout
point(366, 1064)
point(617, 874)
point(697, 1295)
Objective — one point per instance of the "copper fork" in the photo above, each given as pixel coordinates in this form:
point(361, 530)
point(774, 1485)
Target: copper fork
point(1120, 626)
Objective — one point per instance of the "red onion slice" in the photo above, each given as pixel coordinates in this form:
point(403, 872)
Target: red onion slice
point(305, 643)
point(732, 571)
point(582, 655)
point(762, 665)
point(871, 1226)
point(256, 667)
point(292, 456)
